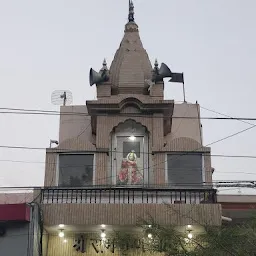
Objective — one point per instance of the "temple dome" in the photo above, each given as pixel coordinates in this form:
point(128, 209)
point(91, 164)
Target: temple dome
point(131, 65)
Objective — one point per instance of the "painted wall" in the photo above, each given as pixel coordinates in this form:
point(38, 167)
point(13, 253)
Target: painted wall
point(73, 124)
point(182, 127)
point(15, 242)
point(23, 237)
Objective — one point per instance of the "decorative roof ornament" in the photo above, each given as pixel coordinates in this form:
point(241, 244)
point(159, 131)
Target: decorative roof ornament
point(104, 65)
point(99, 77)
point(155, 71)
point(156, 68)
point(131, 11)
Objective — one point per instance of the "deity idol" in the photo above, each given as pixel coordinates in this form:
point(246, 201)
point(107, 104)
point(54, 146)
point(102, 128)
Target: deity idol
point(129, 173)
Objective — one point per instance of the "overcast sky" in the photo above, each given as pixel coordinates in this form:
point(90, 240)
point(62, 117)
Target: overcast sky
point(50, 45)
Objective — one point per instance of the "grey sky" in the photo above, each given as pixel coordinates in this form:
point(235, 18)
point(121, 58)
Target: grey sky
point(49, 45)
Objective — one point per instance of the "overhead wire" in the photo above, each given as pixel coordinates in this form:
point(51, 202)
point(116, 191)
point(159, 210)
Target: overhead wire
point(24, 147)
point(186, 153)
point(209, 144)
point(217, 141)
point(112, 151)
point(37, 148)
point(222, 114)
point(52, 181)
point(51, 112)
point(180, 168)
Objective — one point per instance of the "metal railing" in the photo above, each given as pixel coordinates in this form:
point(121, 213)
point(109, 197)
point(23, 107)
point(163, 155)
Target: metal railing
point(121, 195)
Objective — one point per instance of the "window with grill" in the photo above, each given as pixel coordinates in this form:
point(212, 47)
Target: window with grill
point(75, 170)
point(185, 169)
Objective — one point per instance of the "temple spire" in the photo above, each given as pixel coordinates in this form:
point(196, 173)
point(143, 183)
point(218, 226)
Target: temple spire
point(131, 11)
point(131, 65)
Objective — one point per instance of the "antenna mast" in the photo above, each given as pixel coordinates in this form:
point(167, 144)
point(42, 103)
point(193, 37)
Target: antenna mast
point(64, 97)
point(61, 97)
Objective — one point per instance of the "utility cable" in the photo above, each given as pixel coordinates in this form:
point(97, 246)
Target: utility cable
point(142, 153)
point(216, 112)
point(217, 141)
point(49, 112)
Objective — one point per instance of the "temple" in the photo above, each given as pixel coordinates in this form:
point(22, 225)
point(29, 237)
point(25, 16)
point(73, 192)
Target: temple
point(126, 154)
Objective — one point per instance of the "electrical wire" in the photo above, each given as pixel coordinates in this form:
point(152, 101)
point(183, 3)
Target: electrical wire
point(52, 181)
point(219, 113)
point(227, 137)
point(114, 176)
point(173, 168)
point(142, 153)
point(49, 112)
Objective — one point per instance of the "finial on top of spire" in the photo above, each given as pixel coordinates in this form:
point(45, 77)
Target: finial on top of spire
point(155, 71)
point(104, 65)
point(156, 68)
point(104, 62)
point(156, 63)
point(131, 11)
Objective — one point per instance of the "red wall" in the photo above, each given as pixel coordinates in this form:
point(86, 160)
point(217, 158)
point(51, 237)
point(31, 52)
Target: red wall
point(14, 212)
point(238, 206)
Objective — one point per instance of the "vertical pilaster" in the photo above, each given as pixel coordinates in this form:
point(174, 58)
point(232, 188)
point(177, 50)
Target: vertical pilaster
point(50, 169)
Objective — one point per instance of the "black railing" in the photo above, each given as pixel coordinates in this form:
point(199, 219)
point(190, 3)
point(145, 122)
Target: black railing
point(120, 195)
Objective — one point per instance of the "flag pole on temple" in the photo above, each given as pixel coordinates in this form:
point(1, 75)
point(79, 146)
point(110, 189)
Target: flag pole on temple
point(179, 78)
point(184, 93)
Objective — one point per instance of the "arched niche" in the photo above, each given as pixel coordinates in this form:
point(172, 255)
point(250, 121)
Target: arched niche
point(130, 108)
point(129, 154)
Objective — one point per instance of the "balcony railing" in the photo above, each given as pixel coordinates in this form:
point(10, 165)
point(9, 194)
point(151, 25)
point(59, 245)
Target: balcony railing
point(121, 195)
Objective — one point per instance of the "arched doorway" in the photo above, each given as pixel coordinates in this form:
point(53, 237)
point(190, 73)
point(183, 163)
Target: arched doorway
point(130, 154)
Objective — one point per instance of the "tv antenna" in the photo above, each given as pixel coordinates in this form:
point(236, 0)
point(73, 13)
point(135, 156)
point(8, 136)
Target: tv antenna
point(62, 97)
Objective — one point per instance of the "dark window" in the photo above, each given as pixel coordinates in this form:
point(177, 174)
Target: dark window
point(75, 170)
point(185, 169)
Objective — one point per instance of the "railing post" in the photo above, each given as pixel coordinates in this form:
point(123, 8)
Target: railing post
point(57, 196)
point(52, 195)
point(90, 196)
point(62, 196)
point(214, 197)
point(71, 200)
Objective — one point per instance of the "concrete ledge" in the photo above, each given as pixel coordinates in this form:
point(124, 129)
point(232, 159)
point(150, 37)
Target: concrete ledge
point(128, 214)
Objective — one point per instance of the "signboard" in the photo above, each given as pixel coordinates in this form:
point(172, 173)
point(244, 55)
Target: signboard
point(89, 245)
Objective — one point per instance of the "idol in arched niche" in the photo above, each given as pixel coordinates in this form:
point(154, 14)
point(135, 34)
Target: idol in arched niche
point(130, 174)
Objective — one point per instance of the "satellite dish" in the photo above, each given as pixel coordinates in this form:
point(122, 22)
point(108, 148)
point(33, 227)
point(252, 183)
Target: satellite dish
point(62, 97)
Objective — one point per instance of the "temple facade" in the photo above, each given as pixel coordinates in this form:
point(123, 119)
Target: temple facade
point(126, 155)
